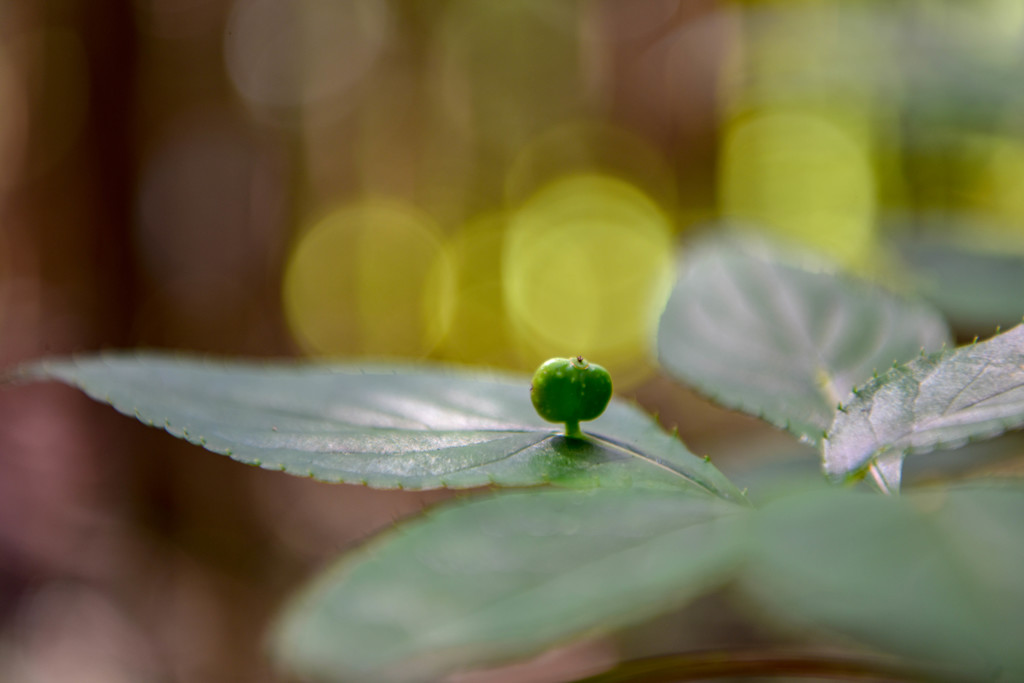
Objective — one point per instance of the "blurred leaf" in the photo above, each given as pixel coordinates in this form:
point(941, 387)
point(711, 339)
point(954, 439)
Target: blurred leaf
point(933, 575)
point(938, 401)
point(383, 426)
point(760, 334)
point(505, 577)
point(976, 290)
point(977, 459)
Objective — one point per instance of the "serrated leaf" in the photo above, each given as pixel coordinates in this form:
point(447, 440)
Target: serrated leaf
point(938, 401)
point(933, 575)
point(759, 333)
point(505, 577)
point(383, 426)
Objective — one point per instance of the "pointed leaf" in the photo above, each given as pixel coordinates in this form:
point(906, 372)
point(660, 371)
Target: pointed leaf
point(506, 577)
point(933, 575)
point(937, 401)
point(769, 337)
point(383, 426)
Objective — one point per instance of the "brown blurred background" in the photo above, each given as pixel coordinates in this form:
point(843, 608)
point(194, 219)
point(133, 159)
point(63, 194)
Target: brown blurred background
point(479, 181)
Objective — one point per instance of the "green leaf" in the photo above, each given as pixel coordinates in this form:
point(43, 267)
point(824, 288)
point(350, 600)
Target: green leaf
point(506, 577)
point(934, 575)
point(782, 341)
point(383, 426)
point(977, 290)
point(938, 401)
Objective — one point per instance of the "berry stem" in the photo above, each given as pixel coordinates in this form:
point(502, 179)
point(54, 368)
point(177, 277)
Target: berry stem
point(572, 429)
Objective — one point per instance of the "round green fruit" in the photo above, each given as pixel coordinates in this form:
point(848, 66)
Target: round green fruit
point(570, 390)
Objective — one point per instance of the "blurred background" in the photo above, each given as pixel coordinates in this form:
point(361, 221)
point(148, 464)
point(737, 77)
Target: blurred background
point(488, 182)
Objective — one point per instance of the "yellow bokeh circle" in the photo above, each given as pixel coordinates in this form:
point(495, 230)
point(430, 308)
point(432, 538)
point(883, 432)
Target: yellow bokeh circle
point(803, 177)
point(372, 278)
point(479, 331)
point(587, 268)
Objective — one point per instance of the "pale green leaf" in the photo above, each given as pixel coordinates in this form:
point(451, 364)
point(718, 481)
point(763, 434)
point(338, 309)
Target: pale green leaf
point(502, 578)
point(975, 289)
point(414, 427)
point(934, 575)
point(786, 341)
point(938, 401)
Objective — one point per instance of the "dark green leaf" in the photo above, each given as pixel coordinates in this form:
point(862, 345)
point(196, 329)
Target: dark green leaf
point(934, 575)
point(505, 577)
point(937, 401)
point(781, 341)
point(383, 426)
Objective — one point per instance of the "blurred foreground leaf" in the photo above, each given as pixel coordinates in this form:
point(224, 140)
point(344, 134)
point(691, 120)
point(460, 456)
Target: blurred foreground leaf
point(933, 575)
point(942, 400)
point(383, 426)
point(763, 335)
point(505, 577)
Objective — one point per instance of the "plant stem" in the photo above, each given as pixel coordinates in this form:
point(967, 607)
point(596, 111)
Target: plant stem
point(700, 666)
point(572, 429)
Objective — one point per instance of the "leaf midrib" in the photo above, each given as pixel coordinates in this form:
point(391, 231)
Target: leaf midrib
point(69, 374)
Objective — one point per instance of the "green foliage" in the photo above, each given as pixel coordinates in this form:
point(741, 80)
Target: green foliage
point(942, 400)
point(932, 576)
point(781, 338)
point(409, 427)
point(506, 576)
point(974, 289)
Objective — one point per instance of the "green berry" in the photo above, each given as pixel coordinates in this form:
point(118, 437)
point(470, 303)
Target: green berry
point(570, 390)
